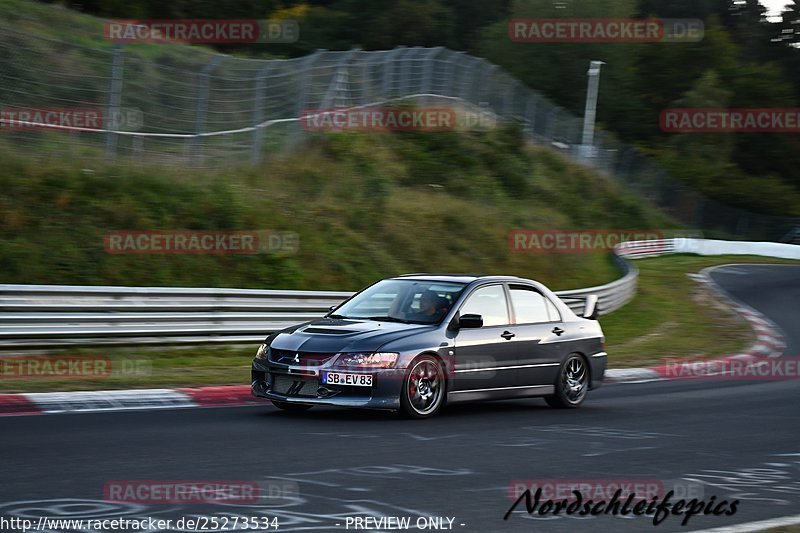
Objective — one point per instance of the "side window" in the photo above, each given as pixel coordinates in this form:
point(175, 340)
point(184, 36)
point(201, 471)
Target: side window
point(490, 303)
point(530, 306)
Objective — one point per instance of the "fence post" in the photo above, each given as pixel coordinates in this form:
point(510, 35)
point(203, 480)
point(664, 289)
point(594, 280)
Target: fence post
point(427, 77)
point(258, 112)
point(114, 99)
point(306, 66)
point(388, 70)
point(340, 77)
point(468, 79)
point(486, 81)
point(202, 106)
point(551, 122)
point(449, 74)
point(366, 92)
point(405, 67)
point(366, 78)
point(530, 117)
point(508, 98)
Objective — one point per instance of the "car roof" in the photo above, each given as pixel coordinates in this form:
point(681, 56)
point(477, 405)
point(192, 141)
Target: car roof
point(459, 278)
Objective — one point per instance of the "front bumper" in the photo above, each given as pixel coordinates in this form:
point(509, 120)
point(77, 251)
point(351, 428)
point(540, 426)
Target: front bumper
point(303, 386)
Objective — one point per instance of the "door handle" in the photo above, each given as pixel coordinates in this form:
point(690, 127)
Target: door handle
point(558, 331)
point(507, 335)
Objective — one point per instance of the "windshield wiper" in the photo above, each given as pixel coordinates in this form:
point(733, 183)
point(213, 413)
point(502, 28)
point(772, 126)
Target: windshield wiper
point(337, 316)
point(388, 319)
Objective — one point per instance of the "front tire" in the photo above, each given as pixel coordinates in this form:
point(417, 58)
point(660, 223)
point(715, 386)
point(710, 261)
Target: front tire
point(424, 388)
point(292, 407)
point(572, 384)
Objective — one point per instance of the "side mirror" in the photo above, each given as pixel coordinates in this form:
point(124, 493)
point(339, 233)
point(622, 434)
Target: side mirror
point(590, 309)
point(470, 321)
point(331, 308)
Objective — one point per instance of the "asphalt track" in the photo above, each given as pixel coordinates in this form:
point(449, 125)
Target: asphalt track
point(729, 440)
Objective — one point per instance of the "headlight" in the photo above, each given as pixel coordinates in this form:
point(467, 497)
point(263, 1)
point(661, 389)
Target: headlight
point(367, 360)
point(262, 352)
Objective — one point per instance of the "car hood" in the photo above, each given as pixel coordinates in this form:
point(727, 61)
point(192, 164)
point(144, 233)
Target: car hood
point(330, 335)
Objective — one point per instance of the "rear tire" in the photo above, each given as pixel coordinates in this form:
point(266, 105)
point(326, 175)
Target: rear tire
point(424, 388)
point(292, 407)
point(572, 384)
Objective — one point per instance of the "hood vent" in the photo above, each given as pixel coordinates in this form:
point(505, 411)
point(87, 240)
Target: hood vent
point(329, 331)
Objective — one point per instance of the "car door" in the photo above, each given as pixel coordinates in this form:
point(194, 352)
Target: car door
point(486, 357)
point(539, 330)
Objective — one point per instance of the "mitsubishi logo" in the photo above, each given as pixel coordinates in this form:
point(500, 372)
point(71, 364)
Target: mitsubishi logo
point(296, 358)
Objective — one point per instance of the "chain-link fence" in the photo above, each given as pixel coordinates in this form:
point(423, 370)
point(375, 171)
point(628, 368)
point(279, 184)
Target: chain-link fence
point(188, 106)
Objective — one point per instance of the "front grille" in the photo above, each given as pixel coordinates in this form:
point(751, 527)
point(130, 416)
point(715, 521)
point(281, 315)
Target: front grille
point(283, 384)
point(289, 357)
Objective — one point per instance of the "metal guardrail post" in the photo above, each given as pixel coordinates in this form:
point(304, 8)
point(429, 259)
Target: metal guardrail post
point(114, 99)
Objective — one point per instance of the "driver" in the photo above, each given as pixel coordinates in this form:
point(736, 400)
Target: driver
point(432, 308)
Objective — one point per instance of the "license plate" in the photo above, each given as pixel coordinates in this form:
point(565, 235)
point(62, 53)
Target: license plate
point(354, 380)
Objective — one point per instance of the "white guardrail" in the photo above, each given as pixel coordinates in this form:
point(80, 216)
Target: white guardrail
point(34, 316)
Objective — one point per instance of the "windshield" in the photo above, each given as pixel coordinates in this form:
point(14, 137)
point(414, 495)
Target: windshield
point(403, 300)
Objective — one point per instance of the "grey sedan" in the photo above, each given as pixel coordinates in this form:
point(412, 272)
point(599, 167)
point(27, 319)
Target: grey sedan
point(416, 343)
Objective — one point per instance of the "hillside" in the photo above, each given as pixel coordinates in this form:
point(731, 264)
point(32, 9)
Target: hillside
point(363, 207)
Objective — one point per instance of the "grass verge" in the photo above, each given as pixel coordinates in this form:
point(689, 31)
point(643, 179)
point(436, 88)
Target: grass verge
point(672, 316)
